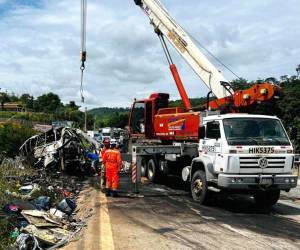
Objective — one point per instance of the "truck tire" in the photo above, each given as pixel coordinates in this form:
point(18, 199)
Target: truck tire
point(199, 187)
point(266, 198)
point(143, 167)
point(152, 171)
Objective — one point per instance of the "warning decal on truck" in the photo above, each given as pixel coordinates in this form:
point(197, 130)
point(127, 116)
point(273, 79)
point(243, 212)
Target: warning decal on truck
point(177, 124)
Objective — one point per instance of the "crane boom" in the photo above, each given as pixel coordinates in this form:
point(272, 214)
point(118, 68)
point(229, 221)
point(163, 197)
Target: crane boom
point(164, 23)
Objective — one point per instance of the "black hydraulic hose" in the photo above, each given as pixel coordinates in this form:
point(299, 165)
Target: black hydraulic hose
point(207, 99)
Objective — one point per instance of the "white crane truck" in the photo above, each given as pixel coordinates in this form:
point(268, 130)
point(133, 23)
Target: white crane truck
point(212, 151)
point(236, 152)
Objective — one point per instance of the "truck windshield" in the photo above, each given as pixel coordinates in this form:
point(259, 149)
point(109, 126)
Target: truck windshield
point(255, 131)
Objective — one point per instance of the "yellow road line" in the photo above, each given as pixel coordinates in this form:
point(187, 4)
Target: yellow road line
point(106, 235)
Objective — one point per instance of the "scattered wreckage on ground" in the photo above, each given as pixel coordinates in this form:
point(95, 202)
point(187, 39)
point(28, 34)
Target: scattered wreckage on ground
point(39, 206)
point(64, 148)
point(41, 201)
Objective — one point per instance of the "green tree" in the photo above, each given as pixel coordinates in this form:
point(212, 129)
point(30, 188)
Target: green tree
point(240, 83)
point(72, 106)
point(290, 101)
point(27, 101)
point(271, 80)
point(118, 120)
point(284, 78)
point(3, 99)
point(13, 98)
point(48, 103)
point(12, 136)
point(298, 70)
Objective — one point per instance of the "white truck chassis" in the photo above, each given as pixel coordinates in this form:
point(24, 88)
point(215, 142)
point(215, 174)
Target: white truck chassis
point(216, 164)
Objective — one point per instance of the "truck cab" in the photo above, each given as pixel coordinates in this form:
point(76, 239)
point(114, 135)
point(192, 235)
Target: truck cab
point(244, 152)
point(106, 133)
point(152, 118)
point(141, 118)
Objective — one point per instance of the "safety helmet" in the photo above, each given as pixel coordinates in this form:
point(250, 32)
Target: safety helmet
point(113, 142)
point(106, 141)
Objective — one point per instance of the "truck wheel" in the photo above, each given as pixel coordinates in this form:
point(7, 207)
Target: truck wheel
point(199, 187)
point(266, 198)
point(143, 167)
point(151, 170)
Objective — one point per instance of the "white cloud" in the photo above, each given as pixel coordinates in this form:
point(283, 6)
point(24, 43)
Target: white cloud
point(40, 46)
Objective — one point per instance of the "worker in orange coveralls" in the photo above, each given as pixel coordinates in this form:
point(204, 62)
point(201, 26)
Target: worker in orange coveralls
point(113, 163)
point(106, 143)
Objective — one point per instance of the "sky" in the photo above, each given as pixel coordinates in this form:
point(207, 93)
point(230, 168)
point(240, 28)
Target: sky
point(40, 46)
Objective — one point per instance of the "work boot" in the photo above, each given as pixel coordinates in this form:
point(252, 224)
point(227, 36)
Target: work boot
point(115, 194)
point(107, 193)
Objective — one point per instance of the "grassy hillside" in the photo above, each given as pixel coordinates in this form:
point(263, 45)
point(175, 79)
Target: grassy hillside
point(102, 112)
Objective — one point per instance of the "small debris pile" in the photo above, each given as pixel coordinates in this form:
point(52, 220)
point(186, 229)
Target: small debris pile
point(37, 207)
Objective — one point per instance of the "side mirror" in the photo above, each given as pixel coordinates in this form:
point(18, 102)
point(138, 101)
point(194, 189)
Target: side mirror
point(201, 132)
point(294, 133)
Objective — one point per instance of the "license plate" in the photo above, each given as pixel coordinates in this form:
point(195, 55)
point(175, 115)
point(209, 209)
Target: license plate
point(265, 181)
point(262, 150)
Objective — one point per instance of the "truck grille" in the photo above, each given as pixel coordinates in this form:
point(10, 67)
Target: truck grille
point(252, 162)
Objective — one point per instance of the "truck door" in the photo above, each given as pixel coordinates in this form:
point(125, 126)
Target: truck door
point(137, 119)
point(141, 119)
point(212, 142)
point(149, 119)
point(213, 135)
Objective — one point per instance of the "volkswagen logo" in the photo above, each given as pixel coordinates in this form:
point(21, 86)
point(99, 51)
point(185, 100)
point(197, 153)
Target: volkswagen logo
point(263, 162)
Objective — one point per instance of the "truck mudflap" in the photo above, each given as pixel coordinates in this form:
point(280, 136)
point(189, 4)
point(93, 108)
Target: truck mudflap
point(281, 182)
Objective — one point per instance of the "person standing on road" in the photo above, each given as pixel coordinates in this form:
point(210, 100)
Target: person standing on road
point(113, 163)
point(106, 143)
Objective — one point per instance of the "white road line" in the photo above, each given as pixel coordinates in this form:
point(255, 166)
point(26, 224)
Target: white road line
point(106, 235)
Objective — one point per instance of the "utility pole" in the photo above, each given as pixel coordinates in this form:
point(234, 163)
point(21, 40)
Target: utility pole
point(85, 120)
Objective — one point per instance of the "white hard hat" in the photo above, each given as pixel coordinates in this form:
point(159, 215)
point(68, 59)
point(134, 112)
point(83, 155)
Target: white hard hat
point(113, 141)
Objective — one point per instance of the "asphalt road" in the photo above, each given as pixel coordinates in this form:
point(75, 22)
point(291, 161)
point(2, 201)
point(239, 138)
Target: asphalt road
point(167, 218)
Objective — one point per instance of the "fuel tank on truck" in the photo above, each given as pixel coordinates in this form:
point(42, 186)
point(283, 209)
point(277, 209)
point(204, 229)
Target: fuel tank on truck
point(176, 124)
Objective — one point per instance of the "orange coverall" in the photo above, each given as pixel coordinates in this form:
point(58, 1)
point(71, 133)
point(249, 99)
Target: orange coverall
point(113, 163)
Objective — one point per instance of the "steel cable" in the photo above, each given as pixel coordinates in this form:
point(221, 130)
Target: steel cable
point(83, 44)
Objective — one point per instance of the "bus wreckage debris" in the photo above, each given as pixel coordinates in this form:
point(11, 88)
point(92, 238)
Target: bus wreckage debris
point(64, 148)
